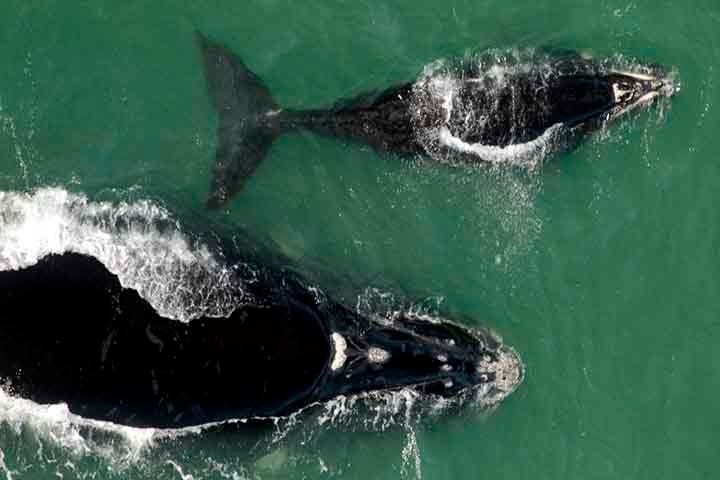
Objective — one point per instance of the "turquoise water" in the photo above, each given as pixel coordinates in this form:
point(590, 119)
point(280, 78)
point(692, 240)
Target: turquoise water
point(601, 269)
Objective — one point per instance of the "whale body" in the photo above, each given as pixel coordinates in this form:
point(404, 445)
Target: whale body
point(71, 333)
point(492, 110)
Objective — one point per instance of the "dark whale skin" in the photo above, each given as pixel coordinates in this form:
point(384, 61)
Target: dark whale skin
point(450, 116)
point(71, 333)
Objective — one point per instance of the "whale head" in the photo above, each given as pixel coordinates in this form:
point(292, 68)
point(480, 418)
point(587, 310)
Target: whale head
point(516, 107)
point(595, 94)
point(432, 356)
point(632, 90)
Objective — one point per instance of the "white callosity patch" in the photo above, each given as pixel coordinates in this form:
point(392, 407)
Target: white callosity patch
point(619, 93)
point(507, 366)
point(508, 372)
point(139, 242)
point(339, 351)
point(378, 355)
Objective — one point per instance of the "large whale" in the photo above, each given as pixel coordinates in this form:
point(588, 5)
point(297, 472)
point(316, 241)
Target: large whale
point(495, 110)
point(71, 333)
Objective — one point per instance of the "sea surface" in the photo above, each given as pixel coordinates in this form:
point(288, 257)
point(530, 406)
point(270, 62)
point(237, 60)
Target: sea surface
point(601, 267)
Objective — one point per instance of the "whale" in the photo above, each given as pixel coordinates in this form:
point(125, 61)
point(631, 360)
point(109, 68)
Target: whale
point(499, 108)
point(71, 333)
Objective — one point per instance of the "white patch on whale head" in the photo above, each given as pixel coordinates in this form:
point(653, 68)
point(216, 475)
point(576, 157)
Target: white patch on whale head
point(508, 371)
point(378, 355)
point(619, 93)
point(339, 355)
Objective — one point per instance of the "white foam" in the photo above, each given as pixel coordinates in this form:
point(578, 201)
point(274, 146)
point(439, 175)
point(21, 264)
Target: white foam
point(445, 88)
point(442, 117)
point(147, 250)
point(499, 74)
point(179, 471)
point(437, 90)
point(4, 468)
point(139, 242)
point(527, 154)
point(56, 424)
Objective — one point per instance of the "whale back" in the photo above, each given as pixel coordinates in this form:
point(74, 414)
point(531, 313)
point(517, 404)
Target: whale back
point(525, 106)
point(70, 333)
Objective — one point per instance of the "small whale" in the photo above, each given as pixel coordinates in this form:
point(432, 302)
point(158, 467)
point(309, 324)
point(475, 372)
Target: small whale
point(71, 333)
point(502, 109)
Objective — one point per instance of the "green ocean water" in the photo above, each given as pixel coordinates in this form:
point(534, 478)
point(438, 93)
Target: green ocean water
point(602, 268)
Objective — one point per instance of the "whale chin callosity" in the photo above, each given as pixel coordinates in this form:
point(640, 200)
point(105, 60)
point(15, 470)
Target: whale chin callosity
point(71, 333)
point(510, 107)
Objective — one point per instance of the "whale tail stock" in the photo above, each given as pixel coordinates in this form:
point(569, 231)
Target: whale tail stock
point(246, 124)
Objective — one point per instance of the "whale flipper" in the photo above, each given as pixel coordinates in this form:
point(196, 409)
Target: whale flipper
point(245, 127)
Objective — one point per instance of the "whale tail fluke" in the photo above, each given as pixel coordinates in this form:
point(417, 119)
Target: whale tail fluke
point(245, 124)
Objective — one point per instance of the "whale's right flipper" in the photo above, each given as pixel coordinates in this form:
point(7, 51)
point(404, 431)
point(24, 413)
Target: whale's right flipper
point(245, 129)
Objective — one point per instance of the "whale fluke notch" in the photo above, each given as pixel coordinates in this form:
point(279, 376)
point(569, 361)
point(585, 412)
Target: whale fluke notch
point(245, 127)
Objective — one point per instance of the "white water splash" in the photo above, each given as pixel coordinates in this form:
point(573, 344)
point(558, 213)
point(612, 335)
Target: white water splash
point(452, 102)
point(528, 154)
point(56, 424)
point(146, 248)
point(179, 470)
point(8, 127)
point(4, 468)
point(139, 242)
point(437, 100)
point(385, 410)
point(20, 125)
